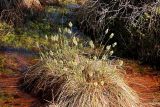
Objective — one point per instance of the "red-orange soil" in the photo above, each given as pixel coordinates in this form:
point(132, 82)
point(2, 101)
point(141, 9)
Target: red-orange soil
point(147, 85)
point(10, 93)
point(145, 81)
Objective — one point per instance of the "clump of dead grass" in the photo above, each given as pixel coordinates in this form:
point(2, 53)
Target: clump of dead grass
point(98, 85)
point(65, 76)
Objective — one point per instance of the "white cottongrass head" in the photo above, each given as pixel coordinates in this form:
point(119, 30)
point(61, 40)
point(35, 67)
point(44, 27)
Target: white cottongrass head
point(60, 30)
point(69, 31)
point(102, 83)
point(70, 24)
point(61, 62)
point(37, 44)
point(55, 61)
point(108, 47)
point(111, 53)
point(65, 29)
point(106, 32)
point(115, 44)
point(120, 63)
point(91, 44)
point(94, 58)
point(65, 69)
point(54, 38)
point(74, 63)
point(75, 41)
point(104, 57)
point(111, 36)
point(46, 37)
point(51, 53)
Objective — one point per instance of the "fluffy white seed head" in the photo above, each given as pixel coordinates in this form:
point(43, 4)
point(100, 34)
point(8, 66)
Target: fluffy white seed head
point(106, 32)
point(108, 47)
point(95, 58)
point(55, 61)
point(115, 44)
point(102, 83)
point(111, 36)
point(65, 69)
point(95, 84)
point(51, 53)
point(65, 29)
point(75, 41)
point(52, 38)
point(103, 57)
point(74, 63)
point(70, 24)
point(46, 37)
point(91, 44)
point(111, 52)
point(60, 30)
point(120, 63)
point(61, 62)
point(56, 38)
point(37, 44)
point(69, 31)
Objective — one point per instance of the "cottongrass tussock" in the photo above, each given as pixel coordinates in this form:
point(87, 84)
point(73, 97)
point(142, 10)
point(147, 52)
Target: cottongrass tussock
point(65, 77)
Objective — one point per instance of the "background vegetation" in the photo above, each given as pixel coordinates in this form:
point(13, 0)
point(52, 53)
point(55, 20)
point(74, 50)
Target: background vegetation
point(135, 23)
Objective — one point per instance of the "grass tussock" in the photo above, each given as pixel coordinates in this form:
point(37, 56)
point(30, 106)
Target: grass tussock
point(98, 85)
point(67, 77)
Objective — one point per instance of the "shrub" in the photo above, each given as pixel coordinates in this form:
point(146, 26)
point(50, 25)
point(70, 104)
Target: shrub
point(135, 24)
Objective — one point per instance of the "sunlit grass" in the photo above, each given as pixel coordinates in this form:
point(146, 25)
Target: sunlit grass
point(27, 36)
